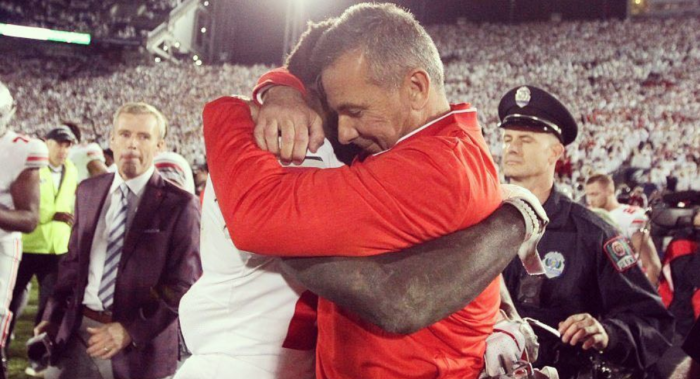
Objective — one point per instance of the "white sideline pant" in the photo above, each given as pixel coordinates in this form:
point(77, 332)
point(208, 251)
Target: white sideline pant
point(10, 256)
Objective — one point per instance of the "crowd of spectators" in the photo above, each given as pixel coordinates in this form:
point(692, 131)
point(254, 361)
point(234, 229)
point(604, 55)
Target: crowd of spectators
point(48, 92)
point(632, 86)
point(103, 19)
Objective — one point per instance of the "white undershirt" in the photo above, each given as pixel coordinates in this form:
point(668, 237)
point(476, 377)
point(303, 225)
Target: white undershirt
point(56, 173)
point(98, 253)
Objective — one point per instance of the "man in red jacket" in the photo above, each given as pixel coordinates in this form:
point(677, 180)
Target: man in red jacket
point(425, 172)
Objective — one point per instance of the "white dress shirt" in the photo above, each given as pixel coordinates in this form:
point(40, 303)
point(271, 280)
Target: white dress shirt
point(98, 253)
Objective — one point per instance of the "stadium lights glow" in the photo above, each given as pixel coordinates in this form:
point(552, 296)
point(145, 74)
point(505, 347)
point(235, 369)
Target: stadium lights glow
point(42, 34)
point(198, 63)
point(637, 2)
point(195, 58)
point(165, 47)
point(157, 59)
point(177, 45)
point(206, 3)
point(204, 30)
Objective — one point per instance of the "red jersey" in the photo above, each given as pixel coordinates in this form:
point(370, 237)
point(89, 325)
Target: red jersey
point(433, 182)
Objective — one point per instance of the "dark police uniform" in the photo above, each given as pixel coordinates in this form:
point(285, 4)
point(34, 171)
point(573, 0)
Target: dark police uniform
point(585, 274)
point(590, 268)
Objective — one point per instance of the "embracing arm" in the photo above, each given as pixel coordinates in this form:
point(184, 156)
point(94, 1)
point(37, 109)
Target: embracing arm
point(405, 292)
point(306, 213)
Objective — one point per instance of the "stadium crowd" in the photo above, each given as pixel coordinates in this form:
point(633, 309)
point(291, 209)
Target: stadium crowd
point(628, 83)
point(85, 93)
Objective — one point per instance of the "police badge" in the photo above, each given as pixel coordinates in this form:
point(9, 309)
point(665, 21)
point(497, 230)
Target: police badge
point(554, 264)
point(522, 97)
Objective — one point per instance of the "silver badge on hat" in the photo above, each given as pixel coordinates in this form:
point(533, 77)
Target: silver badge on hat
point(522, 97)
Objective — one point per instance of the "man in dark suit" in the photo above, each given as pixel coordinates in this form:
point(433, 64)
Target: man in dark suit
point(133, 253)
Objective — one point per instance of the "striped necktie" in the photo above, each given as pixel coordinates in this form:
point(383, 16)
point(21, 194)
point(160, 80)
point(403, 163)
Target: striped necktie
point(115, 243)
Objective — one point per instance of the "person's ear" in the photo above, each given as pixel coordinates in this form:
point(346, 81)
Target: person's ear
point(418, 87)
point(556, 152)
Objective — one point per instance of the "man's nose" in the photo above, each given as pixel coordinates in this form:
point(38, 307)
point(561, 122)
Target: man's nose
point(512, 148)
point(346, 132)
point(132, 142)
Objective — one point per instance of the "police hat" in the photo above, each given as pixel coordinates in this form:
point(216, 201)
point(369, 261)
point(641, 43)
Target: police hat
point(61, 134)
point(534, 108)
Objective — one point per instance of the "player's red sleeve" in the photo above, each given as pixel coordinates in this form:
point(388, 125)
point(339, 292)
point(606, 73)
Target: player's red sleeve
point(277, 77)
point(386, 203)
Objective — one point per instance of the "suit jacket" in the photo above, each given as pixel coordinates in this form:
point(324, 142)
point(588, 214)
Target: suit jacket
point(159, 262)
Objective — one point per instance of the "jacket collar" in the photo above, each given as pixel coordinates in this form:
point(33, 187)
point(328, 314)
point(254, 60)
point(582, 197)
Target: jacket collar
point(136, 185)
point(557, 208)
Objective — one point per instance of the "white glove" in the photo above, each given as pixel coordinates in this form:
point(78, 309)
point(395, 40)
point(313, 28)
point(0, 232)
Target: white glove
point(535, 222)
point(505, 347)
point(532, 346)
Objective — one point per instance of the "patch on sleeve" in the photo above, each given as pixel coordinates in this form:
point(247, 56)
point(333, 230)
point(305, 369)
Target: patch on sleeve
point(620, 253)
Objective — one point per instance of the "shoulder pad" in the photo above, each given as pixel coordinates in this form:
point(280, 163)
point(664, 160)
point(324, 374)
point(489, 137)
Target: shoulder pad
point(37, 154)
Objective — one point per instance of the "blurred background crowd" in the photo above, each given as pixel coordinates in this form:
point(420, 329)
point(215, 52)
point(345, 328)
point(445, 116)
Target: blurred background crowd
point(632, 85)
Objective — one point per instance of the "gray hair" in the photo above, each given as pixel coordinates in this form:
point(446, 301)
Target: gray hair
point(143, 108)
point(391, 39)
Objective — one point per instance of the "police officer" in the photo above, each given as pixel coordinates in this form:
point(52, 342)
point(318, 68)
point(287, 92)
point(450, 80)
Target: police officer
point(593, 293)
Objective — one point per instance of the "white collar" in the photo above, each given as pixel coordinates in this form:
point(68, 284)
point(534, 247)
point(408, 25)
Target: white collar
point(137, 185)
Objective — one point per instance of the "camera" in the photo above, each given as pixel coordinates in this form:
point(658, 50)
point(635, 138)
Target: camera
point(39, 350)
point(675, 212)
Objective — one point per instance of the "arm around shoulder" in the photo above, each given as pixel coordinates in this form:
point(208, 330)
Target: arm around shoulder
point(414, 288)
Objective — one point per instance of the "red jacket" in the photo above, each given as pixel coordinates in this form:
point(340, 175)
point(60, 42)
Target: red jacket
point(435, 182)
